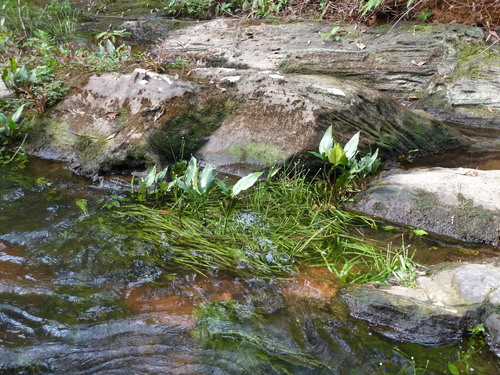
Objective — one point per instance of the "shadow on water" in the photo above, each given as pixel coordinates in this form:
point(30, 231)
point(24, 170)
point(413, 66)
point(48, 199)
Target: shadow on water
point(72, 301)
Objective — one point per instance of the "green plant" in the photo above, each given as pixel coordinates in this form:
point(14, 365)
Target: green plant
point(37, 85)
point(345, 170)
point(230, 193)
point(57, 18)
point(465, 363)
point(153, 185)
point(9, 125)
point(332, 34)
point(195, 182)
point(424, 16)
point(112, 35)
point(180, 63)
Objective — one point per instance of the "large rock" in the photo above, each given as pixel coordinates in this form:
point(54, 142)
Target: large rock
point(461, 203)
point(470, 96)
point(438, 308)
point(281, 116)
point(107, 123)
point(441, 64)
point(236, 120)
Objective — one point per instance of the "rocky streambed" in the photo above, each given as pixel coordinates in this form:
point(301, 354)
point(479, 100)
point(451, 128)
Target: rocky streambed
point(263, 93)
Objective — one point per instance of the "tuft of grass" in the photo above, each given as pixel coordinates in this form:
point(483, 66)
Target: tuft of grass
point(280, 224)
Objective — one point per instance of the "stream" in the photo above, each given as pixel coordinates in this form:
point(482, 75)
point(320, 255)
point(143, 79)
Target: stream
point(72, 303)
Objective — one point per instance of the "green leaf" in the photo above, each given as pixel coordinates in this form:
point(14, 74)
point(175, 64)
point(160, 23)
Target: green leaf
point(150, 179)
point(337, 155)
point(223, 187)
point(317, 155)
point(160, 176)
point(245, 183)
point(3, 119)
point(23, 73)
point(206, 181)
point(388, 228)
point(419, 232)
point(453, 369)
point(326, 142)
point(351, 147)
point(17, 114)
point(189, 175)
point(110, 47)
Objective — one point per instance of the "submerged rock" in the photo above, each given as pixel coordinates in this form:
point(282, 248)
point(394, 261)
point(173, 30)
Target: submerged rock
point(457, 202)
point(438, 309)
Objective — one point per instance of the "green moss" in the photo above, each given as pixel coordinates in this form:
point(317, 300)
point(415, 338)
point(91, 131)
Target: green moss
point(255, 152)
point(185, 134)
point(91, 149)
point(471, 56)
point(288, 66)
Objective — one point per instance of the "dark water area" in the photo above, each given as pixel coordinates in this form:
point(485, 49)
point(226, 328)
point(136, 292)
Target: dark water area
point(77, 298)
point(483, 153)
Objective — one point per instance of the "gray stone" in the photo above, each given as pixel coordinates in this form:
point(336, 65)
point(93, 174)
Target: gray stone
point(115, 120)
point(437, 309)
point(4, 91)
point(461, 203)
point(423, 63)
point(108, 121)
point(478, 282)
point(282, 116)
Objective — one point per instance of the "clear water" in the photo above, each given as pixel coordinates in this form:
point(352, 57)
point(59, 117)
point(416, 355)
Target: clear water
point(73, 302)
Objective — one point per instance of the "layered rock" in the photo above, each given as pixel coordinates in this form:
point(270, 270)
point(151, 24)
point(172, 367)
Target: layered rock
point(457, 202)
point(444, 68)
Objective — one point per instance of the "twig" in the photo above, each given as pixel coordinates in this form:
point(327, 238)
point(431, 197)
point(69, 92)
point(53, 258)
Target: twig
point(402, 16)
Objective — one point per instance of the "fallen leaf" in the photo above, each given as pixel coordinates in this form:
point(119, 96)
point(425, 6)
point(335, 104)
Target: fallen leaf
point(111, 115)
point(490, 109)
point(360, 45)
point(362, 31)
point(420, 63)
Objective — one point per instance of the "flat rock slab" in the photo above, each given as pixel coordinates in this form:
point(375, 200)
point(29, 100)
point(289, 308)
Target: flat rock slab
point(430, 64)
point(438, 308)
point(456, 202)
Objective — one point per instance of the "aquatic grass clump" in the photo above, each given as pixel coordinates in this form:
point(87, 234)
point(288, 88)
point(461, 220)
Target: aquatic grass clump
point(282, 224)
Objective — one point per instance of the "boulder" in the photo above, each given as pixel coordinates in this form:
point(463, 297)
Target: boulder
point(456, 202)
point(237, 120)
point(421, 63)
point(438, 308)
point(107, 123)
point(278, 117)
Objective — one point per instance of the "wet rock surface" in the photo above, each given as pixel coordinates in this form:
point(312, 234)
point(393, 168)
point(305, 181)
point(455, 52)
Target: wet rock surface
point(438, 309)
point(458, 202)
